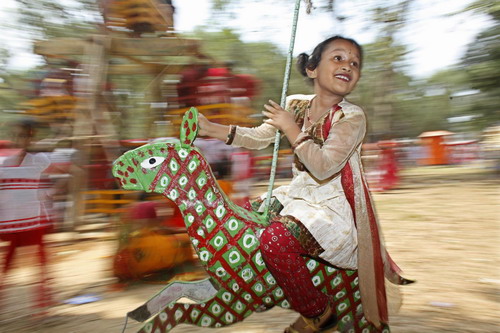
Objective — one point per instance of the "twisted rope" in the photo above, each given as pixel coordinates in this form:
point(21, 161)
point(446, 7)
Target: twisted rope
point(283, 101)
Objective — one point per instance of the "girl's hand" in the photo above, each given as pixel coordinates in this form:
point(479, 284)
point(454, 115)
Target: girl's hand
point(214, 130)
point(203, 125)
point(278, 117)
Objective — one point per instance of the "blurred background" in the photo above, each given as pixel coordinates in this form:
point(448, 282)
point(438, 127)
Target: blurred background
point(104, 76)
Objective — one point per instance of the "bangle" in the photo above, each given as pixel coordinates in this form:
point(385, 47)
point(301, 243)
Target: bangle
point(231, 134)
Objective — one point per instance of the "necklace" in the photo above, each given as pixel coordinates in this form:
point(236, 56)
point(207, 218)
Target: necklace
point(308, 113)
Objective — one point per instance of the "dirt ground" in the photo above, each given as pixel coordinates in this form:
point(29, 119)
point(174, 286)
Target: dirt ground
point(441, 226)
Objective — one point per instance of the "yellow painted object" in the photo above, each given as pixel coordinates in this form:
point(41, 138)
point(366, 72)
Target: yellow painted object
point(108, 201)
point(50, 108)
point(222, 113)
point(148, 251)
point(139, 15)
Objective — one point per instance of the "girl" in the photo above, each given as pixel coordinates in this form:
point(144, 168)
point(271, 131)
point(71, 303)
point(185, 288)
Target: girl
point(326, 210)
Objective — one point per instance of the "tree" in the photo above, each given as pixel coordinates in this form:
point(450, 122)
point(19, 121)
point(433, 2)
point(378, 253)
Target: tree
point(384, 81)
point(482, 65)
point(44, 19)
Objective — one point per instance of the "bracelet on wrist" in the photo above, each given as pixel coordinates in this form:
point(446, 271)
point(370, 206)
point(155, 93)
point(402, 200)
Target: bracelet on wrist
point(231, 134)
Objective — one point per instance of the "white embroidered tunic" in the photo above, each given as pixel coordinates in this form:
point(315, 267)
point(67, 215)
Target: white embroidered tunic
point(315, 195)
point(20, 188)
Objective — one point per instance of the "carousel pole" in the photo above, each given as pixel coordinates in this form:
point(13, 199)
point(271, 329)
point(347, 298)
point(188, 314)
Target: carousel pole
point(286, 79)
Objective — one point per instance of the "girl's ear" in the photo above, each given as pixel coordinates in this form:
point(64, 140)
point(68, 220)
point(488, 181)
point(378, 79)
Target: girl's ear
point(312, 74)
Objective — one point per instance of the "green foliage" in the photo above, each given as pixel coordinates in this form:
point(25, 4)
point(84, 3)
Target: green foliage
point(12, 86)
point(220, 5)
point(490, 8)
point(44, 19)
point(482, 65)
point(384, 88)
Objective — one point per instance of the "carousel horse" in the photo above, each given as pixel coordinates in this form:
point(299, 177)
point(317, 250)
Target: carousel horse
point(226, 240)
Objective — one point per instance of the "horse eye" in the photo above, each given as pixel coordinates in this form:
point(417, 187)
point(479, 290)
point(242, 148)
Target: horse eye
point(152, 162)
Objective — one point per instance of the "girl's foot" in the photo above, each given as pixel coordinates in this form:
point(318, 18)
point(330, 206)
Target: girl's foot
point(43, 302)
point(43, 296)
point(326, 322)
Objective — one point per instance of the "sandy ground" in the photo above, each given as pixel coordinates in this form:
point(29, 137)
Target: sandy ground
point(441, 226)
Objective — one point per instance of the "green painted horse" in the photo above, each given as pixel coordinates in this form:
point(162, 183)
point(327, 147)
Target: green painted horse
point(226, 239)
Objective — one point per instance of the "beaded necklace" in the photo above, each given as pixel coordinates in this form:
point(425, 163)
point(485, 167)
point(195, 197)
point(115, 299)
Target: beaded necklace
point(308, 113)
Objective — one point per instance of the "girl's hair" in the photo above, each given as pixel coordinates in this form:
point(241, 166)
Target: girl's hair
point(305, 61)
point(28, 125)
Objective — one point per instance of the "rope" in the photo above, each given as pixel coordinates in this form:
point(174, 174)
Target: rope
point(283, 101)
point(125, 326)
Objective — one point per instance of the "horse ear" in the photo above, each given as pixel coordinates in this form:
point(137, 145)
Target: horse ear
point(189, 127)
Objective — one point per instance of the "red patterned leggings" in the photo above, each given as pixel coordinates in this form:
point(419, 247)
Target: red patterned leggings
point(283, 245)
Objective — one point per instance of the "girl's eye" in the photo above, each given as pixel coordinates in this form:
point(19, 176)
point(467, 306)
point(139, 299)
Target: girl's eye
point(337, 58)
point(355, 64)
point(152, 161)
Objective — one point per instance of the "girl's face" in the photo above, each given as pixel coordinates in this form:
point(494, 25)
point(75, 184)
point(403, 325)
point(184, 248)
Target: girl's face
point(338, 70)
point(21, 137)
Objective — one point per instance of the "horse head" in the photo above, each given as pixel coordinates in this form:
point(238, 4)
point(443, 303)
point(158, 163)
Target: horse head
point(163, 166)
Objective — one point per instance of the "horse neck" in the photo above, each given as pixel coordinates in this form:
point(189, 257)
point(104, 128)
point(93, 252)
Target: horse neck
point(204, 206)
point(199, 196)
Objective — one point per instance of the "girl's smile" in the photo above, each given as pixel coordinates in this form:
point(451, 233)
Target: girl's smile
point(343, 77)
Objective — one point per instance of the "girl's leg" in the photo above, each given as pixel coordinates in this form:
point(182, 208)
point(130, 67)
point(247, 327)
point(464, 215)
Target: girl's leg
point(8, 260)
point(283, 245)
point(43, 293)
point(42, 256)
point(10, 255)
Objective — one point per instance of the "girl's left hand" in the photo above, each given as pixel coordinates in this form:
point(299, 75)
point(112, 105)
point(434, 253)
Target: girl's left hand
point(278, 117)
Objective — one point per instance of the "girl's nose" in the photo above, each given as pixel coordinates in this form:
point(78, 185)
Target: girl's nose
point(346, 68)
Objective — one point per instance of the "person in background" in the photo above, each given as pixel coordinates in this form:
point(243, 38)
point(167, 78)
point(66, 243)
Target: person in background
point(152, 239)
point(326, 212)
point(23, 195)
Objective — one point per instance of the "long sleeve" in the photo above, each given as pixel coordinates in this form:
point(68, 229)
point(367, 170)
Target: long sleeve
point(262, 136)
point(42, 161)
point(254, 137)
point(345, 136)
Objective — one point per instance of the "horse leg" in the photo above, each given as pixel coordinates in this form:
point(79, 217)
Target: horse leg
point(343, 288)
point(226, 308)
point(198, 291)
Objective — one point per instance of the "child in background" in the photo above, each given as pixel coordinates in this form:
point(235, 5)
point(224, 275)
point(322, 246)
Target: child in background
point(152, 239)
point(23, 218)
